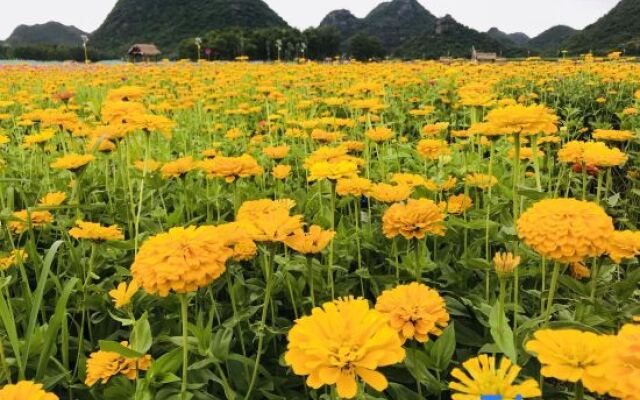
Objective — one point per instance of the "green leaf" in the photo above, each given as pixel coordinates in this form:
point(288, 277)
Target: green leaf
point(55, 322)
point(168, 363)
point(141, 338)
point(416, 362)
point(502, 333)
point(442, 349)
point(9, 324)
point(399, 392)
point(115, 347)
point(531, 193)
point(221, 343)
point(37, 301)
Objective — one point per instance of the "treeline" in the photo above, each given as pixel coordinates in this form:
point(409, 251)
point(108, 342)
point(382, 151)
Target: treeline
point(266, 44)
point(279, 43)
point(52, 53)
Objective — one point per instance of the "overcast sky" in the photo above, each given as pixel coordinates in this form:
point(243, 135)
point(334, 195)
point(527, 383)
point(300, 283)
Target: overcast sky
point(529, 16)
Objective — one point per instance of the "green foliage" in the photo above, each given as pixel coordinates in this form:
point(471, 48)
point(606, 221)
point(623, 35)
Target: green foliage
point(407, 30)
point(550, 41)
point(52, 53)
point(51, 33)
point(618, 30)
point(508, 39)
point(455, 40)
point(363, 47)
point(394, 22)
point(166, 23)
point(262, 44)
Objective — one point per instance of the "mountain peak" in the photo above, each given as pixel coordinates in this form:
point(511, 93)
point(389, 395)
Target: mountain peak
point(167, 22)
point(508, 39)
point(400, 8)
point(343, 20)
point(394, 22)
point(551, 40)
point(48, 33)
point(618, 29)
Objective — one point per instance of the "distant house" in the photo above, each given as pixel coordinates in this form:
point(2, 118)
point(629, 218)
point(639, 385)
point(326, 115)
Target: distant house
point(144, 52)
point(481, 57)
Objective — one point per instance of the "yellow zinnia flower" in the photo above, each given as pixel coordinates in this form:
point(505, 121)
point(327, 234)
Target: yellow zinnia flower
point(458, 204)
point(413, 220)
point(177, 168)
point(566, 230)
point(72, 162)
point(481, 181)
point(623, 245)
point(103, 365)
point(231, 168)
point(600, 155)
point(340, 342)
point(623, 370)
point(268, 221)
point(333, 171)
point(53, 199)
point(390, 193)
point(276, 152)
point(353, 186)
point(312, 242)
point(379, 134)
point(432, 149)
point(524, 120)
point(415, 311)
point(613, 135)
point(482, 378)
point(16, 256)
point(505, 263)
point(181, 260)
point(123, 294)
point(35, 218)
point(25, 390)
point(96, 232)
point(281, 171)
point(572, 355)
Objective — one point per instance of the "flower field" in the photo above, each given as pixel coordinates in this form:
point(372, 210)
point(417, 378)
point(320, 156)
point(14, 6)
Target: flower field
point(316, 231)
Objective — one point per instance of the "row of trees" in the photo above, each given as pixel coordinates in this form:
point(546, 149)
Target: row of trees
point(279, 44)
point(258, 44)
point(51, 53)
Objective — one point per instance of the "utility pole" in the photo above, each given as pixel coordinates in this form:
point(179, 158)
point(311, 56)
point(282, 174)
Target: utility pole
point(198, 41)
point(279, 47)
point(85, 40)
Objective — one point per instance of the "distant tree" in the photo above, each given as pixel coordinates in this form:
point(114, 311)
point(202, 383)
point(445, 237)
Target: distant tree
point(53, 53)
point(364, 47)
point(257, 44)
point(322, 42)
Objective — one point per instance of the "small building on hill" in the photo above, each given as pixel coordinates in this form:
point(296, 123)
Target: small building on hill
point(143, 52)
point(481, 57)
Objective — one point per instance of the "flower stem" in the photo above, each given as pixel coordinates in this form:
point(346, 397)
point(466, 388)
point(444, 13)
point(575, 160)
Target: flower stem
point(263, 320)
point(599, 189)
point(332, 213)
point(552, 291)
point(310, 274)
point(503, 290)
point(418, 263)
point(579, 391)
point(543, 279)
point(185, 343)
point(516, 212)
point(358, 246)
